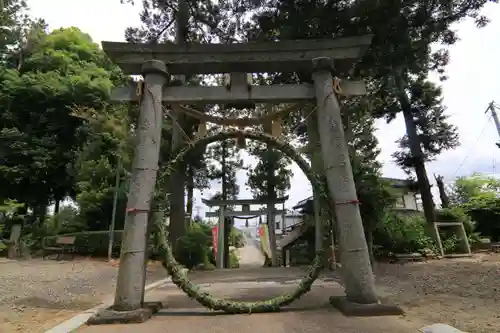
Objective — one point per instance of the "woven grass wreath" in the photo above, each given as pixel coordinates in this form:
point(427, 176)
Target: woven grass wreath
point(177, 272)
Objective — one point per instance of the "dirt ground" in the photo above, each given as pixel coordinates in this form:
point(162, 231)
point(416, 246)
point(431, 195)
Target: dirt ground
point(36, 295)
point(464, 293)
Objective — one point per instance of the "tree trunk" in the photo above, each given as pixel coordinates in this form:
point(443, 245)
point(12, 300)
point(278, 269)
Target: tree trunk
point(56, 206)
point(271, 197)
point(356, 268)
point(176, 182)
point(445, 201)
point(416, 152)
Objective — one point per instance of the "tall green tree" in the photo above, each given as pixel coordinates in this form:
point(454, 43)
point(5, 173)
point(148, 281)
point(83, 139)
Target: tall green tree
point(435, 133)
point(258, 176)
point(177, 21)
point(272, 171)
point(478, 195)
point(40, 138)
point(466, 189)
point(403, 33)
point(223, 21)
point(272, 175)
point(16, 30)
point(107, 150)
point(224, 161)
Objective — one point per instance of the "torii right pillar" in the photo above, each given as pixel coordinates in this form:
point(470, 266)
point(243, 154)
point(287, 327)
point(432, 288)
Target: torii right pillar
point(361, 297)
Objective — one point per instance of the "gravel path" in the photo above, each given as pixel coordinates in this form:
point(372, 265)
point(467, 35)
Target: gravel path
point(36, 295)
point(464, 293)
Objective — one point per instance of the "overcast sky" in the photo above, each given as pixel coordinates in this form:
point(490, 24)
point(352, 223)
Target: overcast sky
point(473, 82)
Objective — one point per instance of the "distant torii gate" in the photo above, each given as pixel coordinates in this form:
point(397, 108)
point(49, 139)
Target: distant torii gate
point(269, 211)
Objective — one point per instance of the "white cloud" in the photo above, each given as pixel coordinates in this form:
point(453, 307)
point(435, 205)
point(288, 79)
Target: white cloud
point(473, 82)
point(104, 20)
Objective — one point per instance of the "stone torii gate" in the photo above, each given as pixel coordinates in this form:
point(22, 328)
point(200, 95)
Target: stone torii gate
point(269, 211)
point(323, 58)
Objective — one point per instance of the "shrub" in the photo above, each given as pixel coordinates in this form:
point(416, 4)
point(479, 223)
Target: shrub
point(485, 211)
point(234, 261)
point(450, 244)
point(64, 222)
point(449, 235)
point(401, 234)
point(236, 238)
point(193, 249)
point(455, 214)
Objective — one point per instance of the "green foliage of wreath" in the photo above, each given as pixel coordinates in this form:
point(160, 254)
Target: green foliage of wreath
point(178, 273)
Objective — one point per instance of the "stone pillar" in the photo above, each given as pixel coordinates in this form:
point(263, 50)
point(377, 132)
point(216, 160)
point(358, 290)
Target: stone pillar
point(271, 225)
point(356, 268)
point(131, 275)
point(221, 239)
point(14, 248)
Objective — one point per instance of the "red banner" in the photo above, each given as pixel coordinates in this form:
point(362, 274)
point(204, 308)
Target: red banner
point(215, 239)
point(262, 232)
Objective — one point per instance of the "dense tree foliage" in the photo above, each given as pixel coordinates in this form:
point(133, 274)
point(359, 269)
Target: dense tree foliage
point(107, 151)
point(403, 33)
point(466, 189)
point(40, 136)
point(479, 196)
point(435, 133)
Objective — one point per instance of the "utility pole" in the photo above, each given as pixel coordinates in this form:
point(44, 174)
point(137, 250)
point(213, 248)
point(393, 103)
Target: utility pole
point(492, 107)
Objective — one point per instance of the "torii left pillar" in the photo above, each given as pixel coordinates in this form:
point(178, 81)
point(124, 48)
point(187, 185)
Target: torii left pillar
point(128, 306)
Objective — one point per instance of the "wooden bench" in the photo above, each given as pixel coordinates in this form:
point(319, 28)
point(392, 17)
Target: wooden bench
point(64, 244)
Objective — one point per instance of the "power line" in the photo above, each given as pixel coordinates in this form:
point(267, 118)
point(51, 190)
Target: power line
point(469, 150)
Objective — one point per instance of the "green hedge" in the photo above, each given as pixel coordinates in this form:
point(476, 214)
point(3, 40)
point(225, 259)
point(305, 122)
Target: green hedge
point(93, 243)
point(192, 249)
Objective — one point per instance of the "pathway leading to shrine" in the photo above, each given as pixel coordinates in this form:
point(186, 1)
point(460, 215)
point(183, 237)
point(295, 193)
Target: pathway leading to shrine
point(250, 255)
point(310, 314)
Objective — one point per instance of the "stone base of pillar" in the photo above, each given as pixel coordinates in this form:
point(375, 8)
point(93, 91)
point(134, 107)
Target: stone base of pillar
point(110, 316)
point(349, 308)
